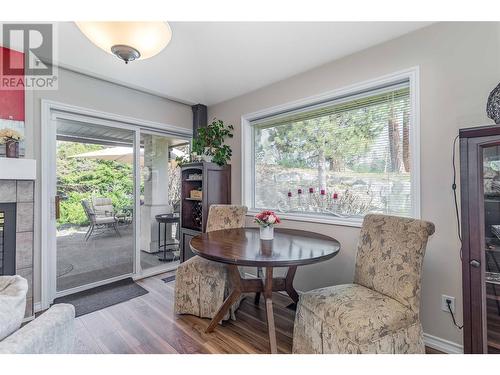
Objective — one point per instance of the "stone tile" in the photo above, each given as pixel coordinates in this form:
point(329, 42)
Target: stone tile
point(24, 250)
point(24, 222)
point(29, 308)
point(25, 191)
point(27, 273)
point(7, 191)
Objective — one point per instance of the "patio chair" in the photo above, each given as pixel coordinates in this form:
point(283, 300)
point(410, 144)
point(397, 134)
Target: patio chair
point(102, 218)
point(103, 207)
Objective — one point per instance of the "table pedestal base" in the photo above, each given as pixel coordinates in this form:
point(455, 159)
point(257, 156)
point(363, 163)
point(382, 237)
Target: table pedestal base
point(267, 286)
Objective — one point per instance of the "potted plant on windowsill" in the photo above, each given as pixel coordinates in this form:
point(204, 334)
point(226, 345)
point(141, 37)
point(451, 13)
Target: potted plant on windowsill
point(11, 139)
point(209, 142)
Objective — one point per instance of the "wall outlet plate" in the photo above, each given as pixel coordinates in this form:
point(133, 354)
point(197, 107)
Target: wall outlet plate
point(444, 305)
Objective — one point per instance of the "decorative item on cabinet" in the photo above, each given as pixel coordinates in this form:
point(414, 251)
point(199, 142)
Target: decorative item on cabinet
point(209, 142)
point(196, 194)
point(493, 105)
point(202, 184)
point(208, 145)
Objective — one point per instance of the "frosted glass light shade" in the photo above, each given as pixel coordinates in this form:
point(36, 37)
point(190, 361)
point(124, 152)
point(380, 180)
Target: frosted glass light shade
point(149, 38)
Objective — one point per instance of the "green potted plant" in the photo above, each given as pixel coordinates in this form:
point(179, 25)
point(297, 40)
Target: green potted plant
point(209, 142)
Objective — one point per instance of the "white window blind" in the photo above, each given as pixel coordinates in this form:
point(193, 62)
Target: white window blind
point(353, 153)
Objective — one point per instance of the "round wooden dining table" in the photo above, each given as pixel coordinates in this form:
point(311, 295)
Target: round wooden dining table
point(243, 247)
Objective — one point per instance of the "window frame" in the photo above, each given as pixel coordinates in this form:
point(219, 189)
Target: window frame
point(247, 142)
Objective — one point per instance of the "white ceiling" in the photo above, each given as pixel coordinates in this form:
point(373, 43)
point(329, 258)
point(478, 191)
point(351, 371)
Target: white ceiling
point(210, 62)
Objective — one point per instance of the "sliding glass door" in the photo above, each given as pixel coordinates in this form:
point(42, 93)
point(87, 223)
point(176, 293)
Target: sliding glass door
point(94, 204)
point(159, 201)
point(116, 190)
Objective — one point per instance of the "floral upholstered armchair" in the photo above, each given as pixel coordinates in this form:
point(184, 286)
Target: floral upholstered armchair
point(380, 311)
point(201, 285)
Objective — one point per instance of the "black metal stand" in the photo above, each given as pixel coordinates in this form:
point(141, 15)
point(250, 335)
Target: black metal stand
point(165, 246)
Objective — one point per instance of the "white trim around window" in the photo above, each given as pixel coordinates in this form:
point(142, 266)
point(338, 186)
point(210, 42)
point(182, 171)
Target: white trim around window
point(247, 178)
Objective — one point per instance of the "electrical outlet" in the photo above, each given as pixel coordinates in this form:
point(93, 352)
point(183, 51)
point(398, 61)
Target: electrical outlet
point(444, 305)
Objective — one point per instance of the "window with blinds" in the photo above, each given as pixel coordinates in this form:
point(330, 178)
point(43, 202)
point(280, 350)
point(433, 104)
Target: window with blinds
point(344, 158)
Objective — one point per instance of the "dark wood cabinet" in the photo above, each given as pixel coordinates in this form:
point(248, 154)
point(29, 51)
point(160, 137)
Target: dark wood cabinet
point(480, 206)
point(186, 236)
point(214, 184)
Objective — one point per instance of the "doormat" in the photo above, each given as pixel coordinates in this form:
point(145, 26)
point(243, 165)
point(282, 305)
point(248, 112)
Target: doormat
point(103, 296)
point(169, 279)
point(64, 269)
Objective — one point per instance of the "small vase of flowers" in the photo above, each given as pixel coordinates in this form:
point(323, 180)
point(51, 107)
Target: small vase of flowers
point(266, 221)
point(11, 139)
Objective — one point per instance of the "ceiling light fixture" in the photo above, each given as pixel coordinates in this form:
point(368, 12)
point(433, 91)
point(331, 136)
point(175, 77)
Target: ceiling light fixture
point(128, 41)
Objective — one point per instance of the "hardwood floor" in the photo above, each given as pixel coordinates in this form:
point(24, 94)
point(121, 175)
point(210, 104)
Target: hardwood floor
point(148, 325)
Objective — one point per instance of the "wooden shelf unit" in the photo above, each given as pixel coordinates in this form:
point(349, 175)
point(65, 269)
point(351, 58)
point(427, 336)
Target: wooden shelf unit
point(215, 185)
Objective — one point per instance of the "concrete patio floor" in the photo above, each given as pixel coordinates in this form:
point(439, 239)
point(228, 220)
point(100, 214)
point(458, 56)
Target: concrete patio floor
point(103, 256)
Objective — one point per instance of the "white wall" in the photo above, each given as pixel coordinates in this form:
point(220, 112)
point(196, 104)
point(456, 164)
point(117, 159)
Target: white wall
point(84, 91)
point(459, 66)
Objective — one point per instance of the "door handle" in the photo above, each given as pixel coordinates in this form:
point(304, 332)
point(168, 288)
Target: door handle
point(475, 263)
point(58, 207)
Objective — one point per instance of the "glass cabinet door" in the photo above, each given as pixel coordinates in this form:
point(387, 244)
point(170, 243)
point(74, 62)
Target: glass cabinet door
point(491, 256)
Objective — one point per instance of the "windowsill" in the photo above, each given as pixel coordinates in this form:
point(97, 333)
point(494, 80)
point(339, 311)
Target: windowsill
point(312, 218)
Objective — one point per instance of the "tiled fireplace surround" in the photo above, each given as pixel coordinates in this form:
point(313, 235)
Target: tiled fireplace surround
point(21, 192)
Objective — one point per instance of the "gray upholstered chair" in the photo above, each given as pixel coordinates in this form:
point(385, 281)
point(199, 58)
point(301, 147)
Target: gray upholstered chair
point(201, 285)
point(101, 215)
point(379, 312)
point(52, 332)
point(103, 207)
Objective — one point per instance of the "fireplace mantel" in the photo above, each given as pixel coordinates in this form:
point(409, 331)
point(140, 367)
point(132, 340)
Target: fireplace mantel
point(17, 169)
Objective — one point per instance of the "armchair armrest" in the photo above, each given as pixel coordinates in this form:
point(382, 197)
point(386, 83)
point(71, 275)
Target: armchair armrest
point(52, 332)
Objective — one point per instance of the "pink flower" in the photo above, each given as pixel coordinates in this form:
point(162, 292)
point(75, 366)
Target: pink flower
point(266, 218)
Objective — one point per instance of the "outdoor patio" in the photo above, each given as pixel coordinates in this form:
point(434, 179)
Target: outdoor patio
point(103, 256)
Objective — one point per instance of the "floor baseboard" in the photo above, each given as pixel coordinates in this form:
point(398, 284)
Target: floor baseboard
point(442, 345)
point(37, 307)
point(28, 319)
